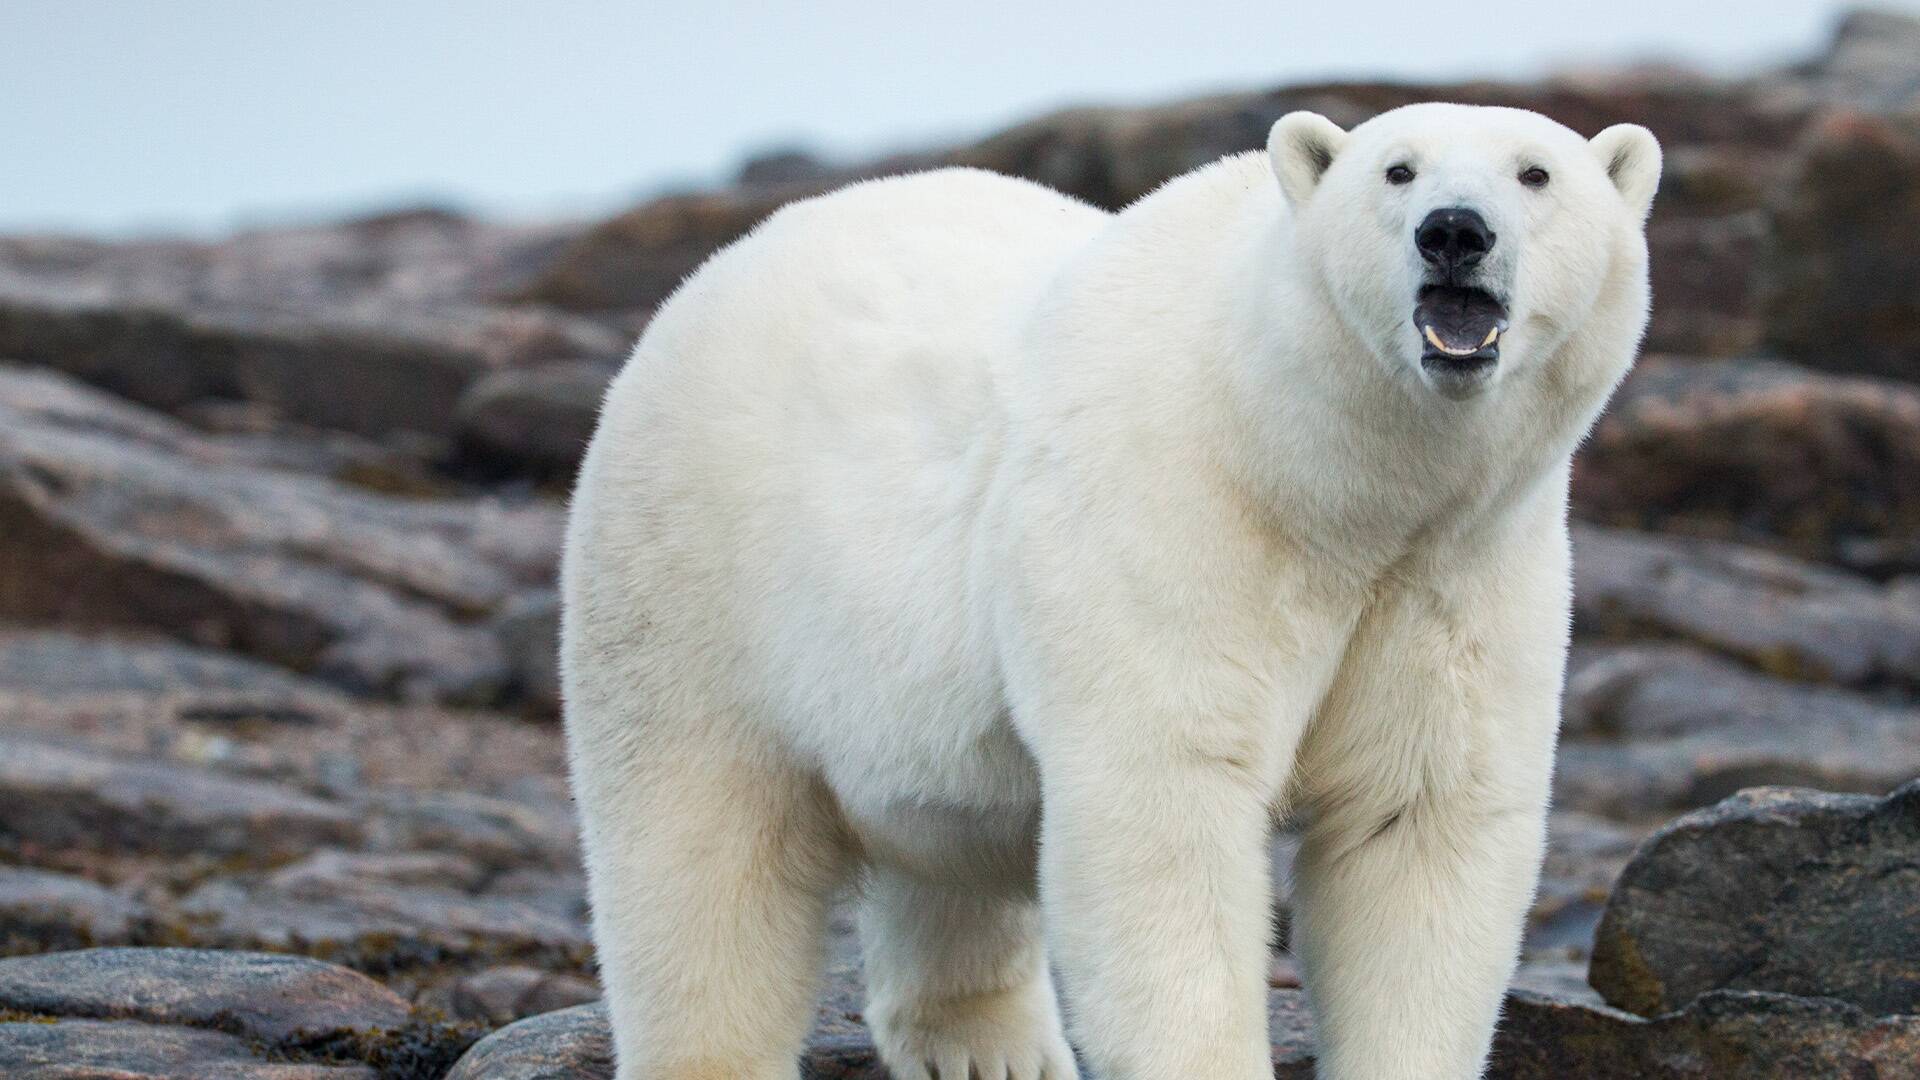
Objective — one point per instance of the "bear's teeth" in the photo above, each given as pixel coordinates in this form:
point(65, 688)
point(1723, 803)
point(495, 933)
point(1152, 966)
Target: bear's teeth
point(1433, 339)
point(1491, 334)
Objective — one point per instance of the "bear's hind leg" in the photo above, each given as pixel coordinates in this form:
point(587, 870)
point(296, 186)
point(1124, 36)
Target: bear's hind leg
point(957, 982)
point(711, 877)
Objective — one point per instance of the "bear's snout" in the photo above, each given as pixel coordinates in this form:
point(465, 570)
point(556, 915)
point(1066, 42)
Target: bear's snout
point(1453, 239)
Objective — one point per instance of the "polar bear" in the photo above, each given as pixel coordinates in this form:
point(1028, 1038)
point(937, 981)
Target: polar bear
point(1022, 564)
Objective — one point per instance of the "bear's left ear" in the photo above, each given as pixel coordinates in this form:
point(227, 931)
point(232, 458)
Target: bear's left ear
point(1302, 146)
point(1631, 156)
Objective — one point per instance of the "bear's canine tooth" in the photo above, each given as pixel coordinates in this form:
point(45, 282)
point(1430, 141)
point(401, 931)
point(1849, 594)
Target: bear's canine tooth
point(1491, 334)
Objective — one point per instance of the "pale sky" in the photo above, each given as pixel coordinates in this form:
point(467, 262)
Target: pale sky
point(198, 115)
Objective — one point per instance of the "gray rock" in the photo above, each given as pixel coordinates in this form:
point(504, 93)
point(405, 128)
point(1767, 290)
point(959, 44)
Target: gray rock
point(105, 1050)
point(576, 1044)
point(501, 834)
point(1654, 729)
point(1584, 855)
point(571, 1044)
point(40, 909)
point(1759, 1036)
point(500, 995)
point(1870, 64)
point(423, 258)
point(273, 999)
point(376, 371)
point(1774, 889)
point(536, 420)
point(376, 925)
point(529, 629)
point(333, 869)
point(1786, 616)
point(60, 797)
point(55, 662)
point(102, 529)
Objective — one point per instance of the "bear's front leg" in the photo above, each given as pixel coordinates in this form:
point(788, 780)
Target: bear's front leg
point(1425, 782)
point(1154, 882)
point(1408, 937)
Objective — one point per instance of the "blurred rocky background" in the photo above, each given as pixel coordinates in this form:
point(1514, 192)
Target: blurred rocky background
point(282, 794)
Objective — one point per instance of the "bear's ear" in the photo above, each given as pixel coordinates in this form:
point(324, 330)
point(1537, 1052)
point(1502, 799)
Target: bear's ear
point(1631, 156)
point(1302, 145)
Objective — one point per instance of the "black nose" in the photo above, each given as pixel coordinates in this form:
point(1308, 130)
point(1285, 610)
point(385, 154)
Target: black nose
point(1454, 238)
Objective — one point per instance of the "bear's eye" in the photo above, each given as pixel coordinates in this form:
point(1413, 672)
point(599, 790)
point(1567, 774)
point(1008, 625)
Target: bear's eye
point(1399, 174)
point(1534, 176)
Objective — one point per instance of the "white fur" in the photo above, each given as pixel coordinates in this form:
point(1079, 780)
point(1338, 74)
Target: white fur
point(1028, 561)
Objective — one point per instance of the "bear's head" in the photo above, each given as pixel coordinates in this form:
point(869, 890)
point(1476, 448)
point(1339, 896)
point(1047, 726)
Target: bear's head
point(1465, 243)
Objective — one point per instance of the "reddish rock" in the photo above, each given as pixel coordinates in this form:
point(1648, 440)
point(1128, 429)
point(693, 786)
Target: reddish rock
point(1816, 464)
point(1839, 278)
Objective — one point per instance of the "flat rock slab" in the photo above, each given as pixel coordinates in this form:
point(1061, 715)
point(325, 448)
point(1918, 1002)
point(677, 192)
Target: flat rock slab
point(40, 909)
point(119, 1050)
point(266, 997)
point(1781, 614)
point(1652, 730)
point(1774, 889)
point(60, 796)
point(374, 370)
point(136, 522)
point(379, 926)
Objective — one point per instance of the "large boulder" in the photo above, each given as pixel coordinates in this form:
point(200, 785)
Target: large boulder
point(147, 526)
point(1839, 275)
point(1819, 465)
point(1775, 889)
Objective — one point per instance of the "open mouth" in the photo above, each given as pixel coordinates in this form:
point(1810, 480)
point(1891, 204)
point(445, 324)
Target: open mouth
point(1460, 328)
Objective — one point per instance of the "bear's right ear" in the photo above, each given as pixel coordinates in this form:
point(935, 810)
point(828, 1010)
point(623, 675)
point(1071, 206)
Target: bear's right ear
point(1302, 146)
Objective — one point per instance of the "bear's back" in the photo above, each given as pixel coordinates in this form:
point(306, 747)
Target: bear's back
point(787, 473)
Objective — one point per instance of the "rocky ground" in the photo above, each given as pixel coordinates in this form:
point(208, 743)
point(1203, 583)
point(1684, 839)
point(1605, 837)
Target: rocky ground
point(281, 795)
